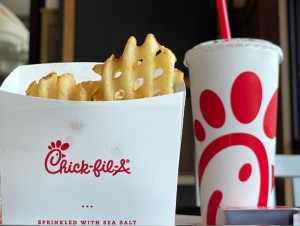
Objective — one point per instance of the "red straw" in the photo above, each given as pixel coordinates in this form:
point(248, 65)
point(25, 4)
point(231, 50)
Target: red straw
point(223, 19)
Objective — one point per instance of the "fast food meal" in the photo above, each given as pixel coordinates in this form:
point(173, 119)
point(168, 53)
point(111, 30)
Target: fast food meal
point(142, 71)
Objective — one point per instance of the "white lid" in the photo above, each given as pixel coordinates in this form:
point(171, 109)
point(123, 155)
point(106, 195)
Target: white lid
point(232, 43)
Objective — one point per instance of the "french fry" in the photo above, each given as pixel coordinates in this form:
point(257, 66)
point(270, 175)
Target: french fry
point(142, 71)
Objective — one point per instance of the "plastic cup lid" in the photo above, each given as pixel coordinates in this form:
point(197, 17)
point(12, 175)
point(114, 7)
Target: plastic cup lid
point(232, 43)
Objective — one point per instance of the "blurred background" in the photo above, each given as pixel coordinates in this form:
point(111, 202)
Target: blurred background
point(14, 35)
point(40, 31)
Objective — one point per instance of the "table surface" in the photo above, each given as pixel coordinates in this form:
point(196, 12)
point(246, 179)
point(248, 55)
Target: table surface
point(187, 220)
point(181, 219)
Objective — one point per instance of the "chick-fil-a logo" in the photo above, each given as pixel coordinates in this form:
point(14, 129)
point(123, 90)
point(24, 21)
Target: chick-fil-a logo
point(56, 163)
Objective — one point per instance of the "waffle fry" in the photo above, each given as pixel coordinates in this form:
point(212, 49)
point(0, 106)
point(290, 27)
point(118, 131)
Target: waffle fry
point(63, 87)
point(142, 71)
point(85, 90)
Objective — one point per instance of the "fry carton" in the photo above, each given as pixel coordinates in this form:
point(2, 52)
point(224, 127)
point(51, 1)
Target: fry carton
point(87, 162)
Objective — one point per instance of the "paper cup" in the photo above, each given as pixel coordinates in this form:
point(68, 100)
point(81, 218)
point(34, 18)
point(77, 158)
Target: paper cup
point(83, 162)
point(234, 89)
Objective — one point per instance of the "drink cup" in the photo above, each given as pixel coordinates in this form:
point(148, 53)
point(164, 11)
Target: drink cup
point(234, 90)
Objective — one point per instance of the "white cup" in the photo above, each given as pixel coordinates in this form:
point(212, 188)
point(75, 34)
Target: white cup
point(234, 88)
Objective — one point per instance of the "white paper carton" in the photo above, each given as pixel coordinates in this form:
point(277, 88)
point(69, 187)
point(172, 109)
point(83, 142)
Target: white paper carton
point(97, 163)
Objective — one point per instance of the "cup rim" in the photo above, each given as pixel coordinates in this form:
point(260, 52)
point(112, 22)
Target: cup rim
point(232, 43)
